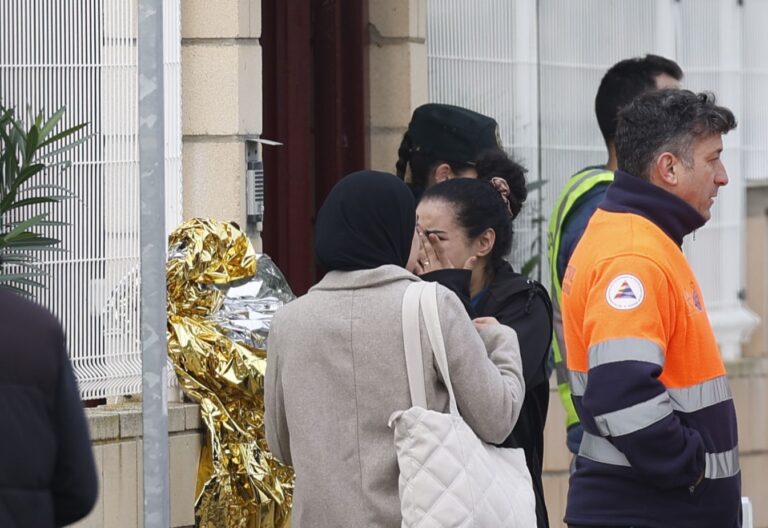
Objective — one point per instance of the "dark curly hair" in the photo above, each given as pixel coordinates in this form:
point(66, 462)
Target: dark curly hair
point(666, 120)
point(495, 163)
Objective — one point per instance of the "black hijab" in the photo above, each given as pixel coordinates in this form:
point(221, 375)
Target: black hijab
point(367, 221)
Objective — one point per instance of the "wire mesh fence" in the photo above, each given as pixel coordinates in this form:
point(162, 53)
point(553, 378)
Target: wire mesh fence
point(535, 66)
point(82, 54)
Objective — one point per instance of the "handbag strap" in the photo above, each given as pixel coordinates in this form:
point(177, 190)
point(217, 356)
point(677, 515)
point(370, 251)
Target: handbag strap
point(435, 334)
point(412, 344)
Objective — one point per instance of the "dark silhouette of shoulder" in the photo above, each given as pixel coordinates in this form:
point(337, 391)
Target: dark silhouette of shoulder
point(47, 472)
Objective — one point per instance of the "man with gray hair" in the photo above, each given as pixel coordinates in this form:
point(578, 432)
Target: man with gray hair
point(648, 383)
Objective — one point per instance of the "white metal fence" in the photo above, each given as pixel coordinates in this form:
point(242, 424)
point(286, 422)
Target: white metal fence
point(754, 125)
point(535, 66)
point(82, 54)
point(483, 55)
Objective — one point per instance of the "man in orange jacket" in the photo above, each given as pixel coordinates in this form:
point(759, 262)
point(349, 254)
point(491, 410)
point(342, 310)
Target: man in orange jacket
point(660, 443)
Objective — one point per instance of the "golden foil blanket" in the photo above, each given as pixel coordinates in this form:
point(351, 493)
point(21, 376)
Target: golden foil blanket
point(221, 297)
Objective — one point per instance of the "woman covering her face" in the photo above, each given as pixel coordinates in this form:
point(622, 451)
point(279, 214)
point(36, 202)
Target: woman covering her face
point(465, 227)
point(336, 365)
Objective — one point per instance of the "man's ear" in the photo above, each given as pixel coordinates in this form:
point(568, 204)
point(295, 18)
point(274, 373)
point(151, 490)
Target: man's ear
point(664, 170)
point(485, 242)
point(443, 172)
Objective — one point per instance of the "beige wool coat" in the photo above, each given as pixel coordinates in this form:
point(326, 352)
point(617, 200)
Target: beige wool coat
point(336, 372)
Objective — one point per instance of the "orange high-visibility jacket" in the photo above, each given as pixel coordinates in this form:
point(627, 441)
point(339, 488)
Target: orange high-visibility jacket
point(645, 371)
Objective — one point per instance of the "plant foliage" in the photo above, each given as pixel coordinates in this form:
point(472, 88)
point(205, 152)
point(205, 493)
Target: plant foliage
point(26, 155)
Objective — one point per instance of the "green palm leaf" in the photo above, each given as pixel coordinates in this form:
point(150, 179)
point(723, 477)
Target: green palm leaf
point(49, 125)
point(35, 200)
point(28, 152)
point(44, 223)
point(21, 277)
point(17, 259)
point(21, 227)
point(34, 242)
point(63, 134)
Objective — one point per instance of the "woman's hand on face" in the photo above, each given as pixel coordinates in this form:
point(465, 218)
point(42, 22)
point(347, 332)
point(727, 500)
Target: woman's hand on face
point(432, 255)
point(485, 322)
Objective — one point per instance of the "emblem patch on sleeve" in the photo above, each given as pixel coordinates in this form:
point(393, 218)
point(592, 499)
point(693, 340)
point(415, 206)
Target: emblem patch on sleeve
point(625, 292)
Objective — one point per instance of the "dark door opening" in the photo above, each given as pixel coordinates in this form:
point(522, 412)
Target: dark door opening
point(315, 75)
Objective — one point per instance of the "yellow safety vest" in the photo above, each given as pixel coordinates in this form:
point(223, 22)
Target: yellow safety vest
point(578, 185)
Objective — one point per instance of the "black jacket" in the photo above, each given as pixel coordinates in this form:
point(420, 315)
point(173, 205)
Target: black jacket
point(47, 473)
point(524, 305)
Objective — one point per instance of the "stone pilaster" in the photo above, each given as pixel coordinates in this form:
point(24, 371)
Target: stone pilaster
point(221, 103)
point(398, 73)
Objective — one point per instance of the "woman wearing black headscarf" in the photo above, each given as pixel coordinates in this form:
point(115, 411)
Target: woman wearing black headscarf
point(336, 366)
point(367, 221)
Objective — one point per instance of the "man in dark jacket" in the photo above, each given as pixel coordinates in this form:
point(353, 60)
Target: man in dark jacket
point(47, 473)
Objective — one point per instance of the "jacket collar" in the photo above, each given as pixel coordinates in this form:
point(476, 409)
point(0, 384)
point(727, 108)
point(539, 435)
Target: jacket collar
point(630, 194)
point(346, 280)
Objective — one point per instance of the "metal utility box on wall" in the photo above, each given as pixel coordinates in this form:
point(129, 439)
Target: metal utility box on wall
point(254, 189)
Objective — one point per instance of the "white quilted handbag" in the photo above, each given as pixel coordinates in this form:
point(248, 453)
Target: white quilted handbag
point(448, 476)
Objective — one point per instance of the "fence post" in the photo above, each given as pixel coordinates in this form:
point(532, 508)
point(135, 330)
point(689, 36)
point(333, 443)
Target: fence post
point(153, 293)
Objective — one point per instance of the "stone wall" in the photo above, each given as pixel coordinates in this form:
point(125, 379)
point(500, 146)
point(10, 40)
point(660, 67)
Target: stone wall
point(756, 286)
point(397, 72)
point(117, 447)
point(221, 103)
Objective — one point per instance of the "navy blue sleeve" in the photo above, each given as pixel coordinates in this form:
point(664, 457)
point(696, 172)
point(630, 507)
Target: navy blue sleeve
point(576, 223)
point(75, 484)
point(665, 452)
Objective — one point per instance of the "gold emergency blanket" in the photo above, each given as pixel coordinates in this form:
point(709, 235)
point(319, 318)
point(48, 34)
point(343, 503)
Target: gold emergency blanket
point(221, 297)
